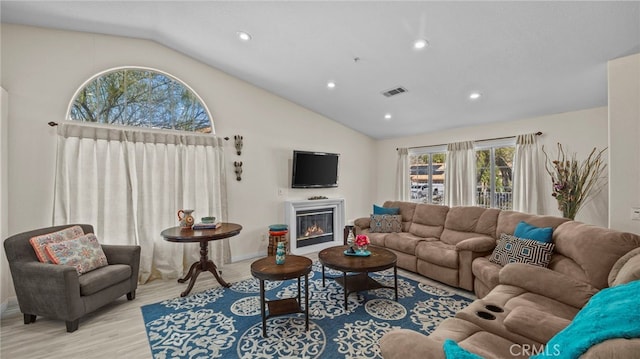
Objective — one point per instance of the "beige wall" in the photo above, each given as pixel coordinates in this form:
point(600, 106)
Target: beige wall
point(624, 139)
point(578, 131)
point(42, 68)
point(6, 288)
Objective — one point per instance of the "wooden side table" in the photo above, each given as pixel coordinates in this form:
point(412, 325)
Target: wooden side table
point(182, 235)
point(293, 267)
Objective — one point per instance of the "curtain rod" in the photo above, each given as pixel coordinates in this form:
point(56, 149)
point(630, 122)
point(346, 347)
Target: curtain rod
point(486, 139)
point(53, 124)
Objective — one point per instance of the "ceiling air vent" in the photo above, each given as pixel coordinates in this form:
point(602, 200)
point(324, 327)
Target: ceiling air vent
point(394, 91)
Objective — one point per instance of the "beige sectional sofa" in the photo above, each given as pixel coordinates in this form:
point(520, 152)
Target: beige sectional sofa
point(521, 306)
point(442, 243)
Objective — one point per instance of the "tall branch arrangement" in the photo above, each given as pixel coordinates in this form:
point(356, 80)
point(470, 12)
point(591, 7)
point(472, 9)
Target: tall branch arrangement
point(574, 181)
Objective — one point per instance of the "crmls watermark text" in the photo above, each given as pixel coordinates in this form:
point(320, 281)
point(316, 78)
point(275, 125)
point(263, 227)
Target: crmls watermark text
point(527, 350)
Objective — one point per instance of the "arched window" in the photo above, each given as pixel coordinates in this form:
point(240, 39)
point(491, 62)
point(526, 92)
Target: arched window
point(141, 97)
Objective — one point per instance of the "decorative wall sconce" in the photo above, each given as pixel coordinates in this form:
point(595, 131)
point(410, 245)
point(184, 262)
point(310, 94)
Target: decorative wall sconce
point(238, 169)
point(239, 144)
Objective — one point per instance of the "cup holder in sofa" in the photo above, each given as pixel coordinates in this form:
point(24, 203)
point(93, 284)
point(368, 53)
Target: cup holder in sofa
point(494, 308)
point(485, 315)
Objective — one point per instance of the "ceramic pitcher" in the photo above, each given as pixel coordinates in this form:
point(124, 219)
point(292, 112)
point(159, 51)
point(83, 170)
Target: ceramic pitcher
point(185, 218)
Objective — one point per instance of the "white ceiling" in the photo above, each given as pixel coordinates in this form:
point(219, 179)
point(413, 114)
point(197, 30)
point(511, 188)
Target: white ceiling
point(526, 58)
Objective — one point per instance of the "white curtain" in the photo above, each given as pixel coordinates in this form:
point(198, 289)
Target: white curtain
point(130, 183)
point(526, 181)
point(403, 187)
point(460, 174)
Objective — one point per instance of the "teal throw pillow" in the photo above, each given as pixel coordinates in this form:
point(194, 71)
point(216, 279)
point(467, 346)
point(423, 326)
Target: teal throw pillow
point(453, 351)
point(385, 210)
point(527, 231)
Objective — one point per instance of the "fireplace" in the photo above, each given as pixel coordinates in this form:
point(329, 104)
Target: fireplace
point(314, 224)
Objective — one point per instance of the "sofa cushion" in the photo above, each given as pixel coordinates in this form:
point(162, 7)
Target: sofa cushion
point(626, 269)
point(103, 277)
point(428, 220)
point(406, 211)
point(547, 283)
point(385, 223)
point(527, 231)
point(402, 242)
point(594, 249)
point(84, 253)
point(39, 243)
point(385, 210)
point(512, 249)
point(535, 324)
point(508, 221)
point(439, 253)
point(377, 239)
point(466, 222)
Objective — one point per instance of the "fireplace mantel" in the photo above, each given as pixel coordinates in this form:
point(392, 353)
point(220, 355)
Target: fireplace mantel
point(293, 207)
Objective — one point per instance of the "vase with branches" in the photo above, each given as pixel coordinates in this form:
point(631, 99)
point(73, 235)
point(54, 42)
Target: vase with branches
point(574, 181)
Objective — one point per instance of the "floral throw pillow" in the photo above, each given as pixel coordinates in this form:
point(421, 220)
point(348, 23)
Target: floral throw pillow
point(40, 242)
point(385, 223)
point(84, 253)
point(512, 249)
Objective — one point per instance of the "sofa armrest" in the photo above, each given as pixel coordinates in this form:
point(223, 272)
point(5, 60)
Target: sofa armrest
point(408, 344)
point(534, 324)
point(548, 283)
point(47, 289)
point(362, 223)
point(620, 348)
point(122, 254)
point(119, 254)
point(477, 244)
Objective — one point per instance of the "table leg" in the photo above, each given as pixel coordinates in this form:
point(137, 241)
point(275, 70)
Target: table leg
point(262, 309)
point(192, 270)
point(211, 267)
point(203, 265)
point(306, 300)
point(299, 298)
point(344, 275)
point(322, 276)
point(395, 280)
point(194, 275)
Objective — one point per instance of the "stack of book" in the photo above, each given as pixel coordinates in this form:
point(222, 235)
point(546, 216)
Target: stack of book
point(278, 230)
point(277, 233)
point(214, 225)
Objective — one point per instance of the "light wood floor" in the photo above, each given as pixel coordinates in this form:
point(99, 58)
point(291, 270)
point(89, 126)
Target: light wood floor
point(114, 331)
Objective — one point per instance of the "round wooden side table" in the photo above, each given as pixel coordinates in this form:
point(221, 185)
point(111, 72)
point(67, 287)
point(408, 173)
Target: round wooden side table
point(294, 267)
point(203, 236)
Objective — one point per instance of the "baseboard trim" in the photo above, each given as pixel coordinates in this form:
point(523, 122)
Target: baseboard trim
point(9, 308)
point(247, 256)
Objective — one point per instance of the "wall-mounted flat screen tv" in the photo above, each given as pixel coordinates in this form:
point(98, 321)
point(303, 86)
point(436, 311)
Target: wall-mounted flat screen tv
point(314, 170)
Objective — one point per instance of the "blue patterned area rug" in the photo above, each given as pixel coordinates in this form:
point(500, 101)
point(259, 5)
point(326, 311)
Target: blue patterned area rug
point(226, 322)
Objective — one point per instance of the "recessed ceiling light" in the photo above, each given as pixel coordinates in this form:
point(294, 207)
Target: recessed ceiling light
point(387, 116)
point(244, 36)
point(331, 84)
point(420, 44)
point(474, 95)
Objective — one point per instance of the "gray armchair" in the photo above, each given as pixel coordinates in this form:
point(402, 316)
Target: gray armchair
point(57, 291)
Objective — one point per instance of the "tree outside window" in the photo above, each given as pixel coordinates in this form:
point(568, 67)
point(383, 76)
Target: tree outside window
point(142, 98)
point(494, 177)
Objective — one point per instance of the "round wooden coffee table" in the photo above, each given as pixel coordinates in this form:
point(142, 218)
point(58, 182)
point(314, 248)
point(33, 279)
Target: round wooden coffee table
point(293, 267)
point(379, 260)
